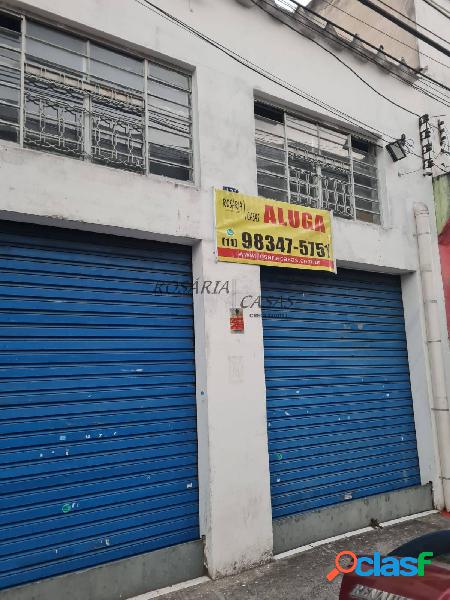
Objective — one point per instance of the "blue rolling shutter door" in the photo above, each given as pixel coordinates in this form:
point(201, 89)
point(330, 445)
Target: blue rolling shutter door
point(97, 402)
point(340, 414)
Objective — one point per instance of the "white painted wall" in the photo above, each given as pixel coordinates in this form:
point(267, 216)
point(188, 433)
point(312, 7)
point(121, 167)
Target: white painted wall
point(437, 65)
point(34, 186)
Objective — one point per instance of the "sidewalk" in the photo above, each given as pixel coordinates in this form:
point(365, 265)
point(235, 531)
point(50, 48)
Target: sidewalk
point(302, 576)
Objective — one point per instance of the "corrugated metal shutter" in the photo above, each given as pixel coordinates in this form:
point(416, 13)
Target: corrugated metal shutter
point(340, 414)
point(97, 403)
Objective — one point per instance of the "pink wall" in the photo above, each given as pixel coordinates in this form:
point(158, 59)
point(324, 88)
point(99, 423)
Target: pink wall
point(444, 249)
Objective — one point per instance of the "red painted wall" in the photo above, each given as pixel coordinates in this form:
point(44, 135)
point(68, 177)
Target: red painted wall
point(444, 249)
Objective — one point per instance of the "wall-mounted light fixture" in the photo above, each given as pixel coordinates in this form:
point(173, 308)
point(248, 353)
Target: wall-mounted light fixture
point(398, 149)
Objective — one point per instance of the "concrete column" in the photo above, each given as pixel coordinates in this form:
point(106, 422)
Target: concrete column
point(235, 509)
point(421, 384)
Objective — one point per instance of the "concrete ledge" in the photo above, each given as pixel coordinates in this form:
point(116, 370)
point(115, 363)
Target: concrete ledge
point(312, 526)
point(120, 579)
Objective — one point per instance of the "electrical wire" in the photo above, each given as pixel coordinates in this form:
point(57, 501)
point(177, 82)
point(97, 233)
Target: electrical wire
point(260, 70)
point(414, 114)
point(267, 74)
point(409, 28)
point(440, 9)
point(365, 42)
point(411, 20)
point(428, 91)
point(337, 7)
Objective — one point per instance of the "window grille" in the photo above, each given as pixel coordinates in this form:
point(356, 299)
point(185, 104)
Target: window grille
point(306, 163)
point(93, 103)
point(10, 77)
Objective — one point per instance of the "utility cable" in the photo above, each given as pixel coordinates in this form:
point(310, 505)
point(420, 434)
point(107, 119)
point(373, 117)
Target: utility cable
point(339, 8)
point(267, 74)
point(365, 42)
point(398, 12)
point(411, 20)
point(440, 9)
point(409, 28)
point(414, 114)
point(430, 92)
point(260, 70)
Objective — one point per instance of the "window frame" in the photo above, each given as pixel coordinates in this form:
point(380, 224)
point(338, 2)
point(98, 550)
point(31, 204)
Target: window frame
point(318, 123)
point(147, 59)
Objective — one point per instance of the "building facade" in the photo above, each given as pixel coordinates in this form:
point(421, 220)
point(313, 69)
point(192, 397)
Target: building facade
point(144, 442)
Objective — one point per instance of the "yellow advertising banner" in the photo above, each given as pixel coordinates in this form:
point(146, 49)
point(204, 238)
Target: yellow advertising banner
point(258, 231)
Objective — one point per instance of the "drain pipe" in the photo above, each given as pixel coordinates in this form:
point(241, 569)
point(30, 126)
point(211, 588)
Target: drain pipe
point(439, 404)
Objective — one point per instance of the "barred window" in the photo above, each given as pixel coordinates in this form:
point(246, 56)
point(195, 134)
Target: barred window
point(10, 74)
point(307, 163)
point(93, 103)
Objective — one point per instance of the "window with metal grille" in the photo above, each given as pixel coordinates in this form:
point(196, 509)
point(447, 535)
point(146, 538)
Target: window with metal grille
point(307, 163)
point(10, 75)
point(84, 100)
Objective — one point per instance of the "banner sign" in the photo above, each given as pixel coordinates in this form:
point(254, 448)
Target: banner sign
point(257, 231)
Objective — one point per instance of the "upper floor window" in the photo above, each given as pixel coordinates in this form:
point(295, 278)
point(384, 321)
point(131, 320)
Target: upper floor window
point(304, 162)
point(93, 103)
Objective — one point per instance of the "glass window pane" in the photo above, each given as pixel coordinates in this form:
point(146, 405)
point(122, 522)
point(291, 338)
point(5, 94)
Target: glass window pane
point(164, 137)
point(9, 23)
point(9, 132)
point(9, 57)
point(53, 118)
point(117, 59)
point(301, 135)
point(170, 123)
point(110, 75)
point(117, 68)
point(304, 186)
point(271, 166)
point(272, 194)
point(362, 215)
point(365, 192)
point(10, 38)
point(270, 152)
point(365, 169)
point(172, 155)
point(299, 160)
point(334, 146)
point(337, 193)
point(170, 108)
point(365, 180)
point(117, 136)
point(162, 73)
point(9, 94)
point(9, 76)
point(363, 150)
point(169, 93)
point(270, 133)
point(9, 113)
point(272, 127)
point(175, 172)
point(50, 46)
point(272, 181)
point(41, 52)
point(363, 204)
point(55, 37)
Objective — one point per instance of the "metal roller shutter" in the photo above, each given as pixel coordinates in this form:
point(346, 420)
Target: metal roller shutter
point(97, 403)
point(340, 413)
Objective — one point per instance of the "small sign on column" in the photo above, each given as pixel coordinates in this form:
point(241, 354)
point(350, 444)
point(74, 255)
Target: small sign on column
point(237, 320)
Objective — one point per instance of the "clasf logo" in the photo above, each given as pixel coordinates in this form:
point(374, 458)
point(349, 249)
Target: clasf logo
point(376, 565)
